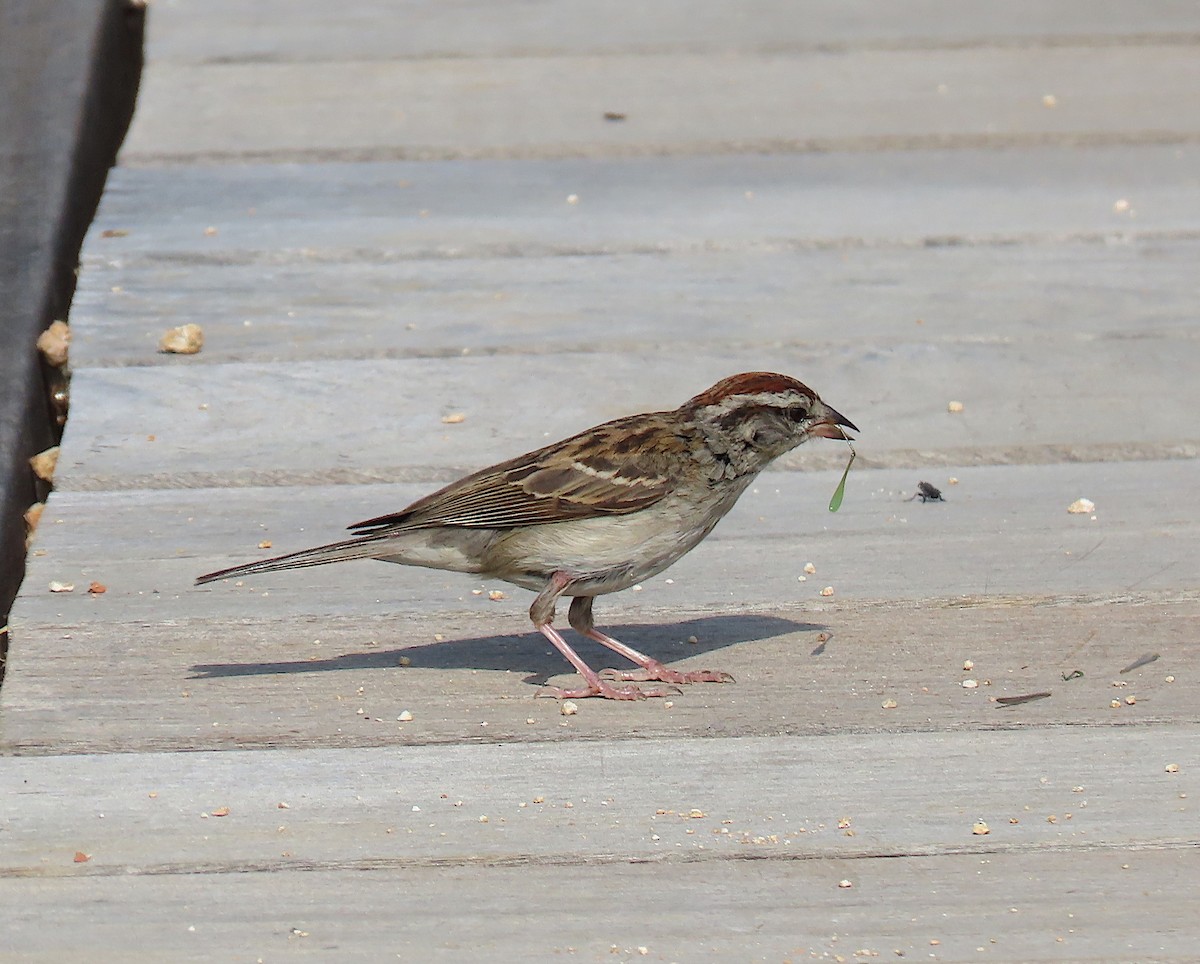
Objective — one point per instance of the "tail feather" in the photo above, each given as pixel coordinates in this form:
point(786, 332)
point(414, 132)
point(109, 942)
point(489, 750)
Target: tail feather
point(360, 548)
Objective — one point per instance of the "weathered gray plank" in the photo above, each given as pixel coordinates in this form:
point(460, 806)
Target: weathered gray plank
point(271, 679)
point(1080, 906)
point(224, 31)
point(624, 799)
point(553, 106)
point(280, 213)
point(377, 413)
point(1003, 530)
point(889, 298)
point(597, 833)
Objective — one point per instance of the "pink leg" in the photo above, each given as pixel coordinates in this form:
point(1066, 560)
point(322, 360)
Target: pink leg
point(580, 617)
point(542, 614)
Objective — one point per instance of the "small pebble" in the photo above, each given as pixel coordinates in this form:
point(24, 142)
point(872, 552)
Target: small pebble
point(185, 340)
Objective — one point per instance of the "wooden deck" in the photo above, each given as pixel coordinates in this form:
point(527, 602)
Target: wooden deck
point(381, 217)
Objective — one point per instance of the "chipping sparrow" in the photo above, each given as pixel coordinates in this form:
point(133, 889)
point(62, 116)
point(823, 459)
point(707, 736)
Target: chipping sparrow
point(597, 512)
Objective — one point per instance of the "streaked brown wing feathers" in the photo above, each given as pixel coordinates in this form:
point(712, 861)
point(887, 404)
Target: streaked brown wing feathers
point(587, 475)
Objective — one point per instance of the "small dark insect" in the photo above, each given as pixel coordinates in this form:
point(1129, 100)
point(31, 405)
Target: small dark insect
point(1017, 700)
point(1074, 674)
point(613, 115)
point(927, 492)
point(1141, 661)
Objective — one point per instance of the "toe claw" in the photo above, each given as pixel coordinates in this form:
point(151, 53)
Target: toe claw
point(659, 673)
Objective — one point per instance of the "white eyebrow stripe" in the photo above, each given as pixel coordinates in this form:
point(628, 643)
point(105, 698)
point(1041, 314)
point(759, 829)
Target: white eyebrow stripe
point(777, 399)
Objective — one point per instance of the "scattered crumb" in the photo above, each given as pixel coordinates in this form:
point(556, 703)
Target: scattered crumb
point(483, 818)
point(845, 884)
point(403, 661)
point(114, 233)
point(81, 857)
point(454, 418)
point(889, 704)
point(1082, 507)
point(56, 586)
point(97, 588)
point(953, 480)
point(265, 544)
point(572, 198)
point(185, 340)
point(282, 806)
point(1171, 768)
point(827, 591)
point(968, 665)
point(44, 464)
point(1115, 704)
point(1130, 700)
point(667, 704)
point(970, 684)
point(405, 717)
point(954, 407)
point(809, 568)
point(54, 343)
point(539, 799)
point(980, 829)
point(568, 708)
point(220, 812)
point(530, 720)
point(210, 231)
point(693, 640)
point(496, 595)
point(616, 115)
point(1049, 100)
point(1120, 206)
point(33, 515)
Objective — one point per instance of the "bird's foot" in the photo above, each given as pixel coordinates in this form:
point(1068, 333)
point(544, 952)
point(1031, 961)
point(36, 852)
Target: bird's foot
point(657, 672)
point(605, 691)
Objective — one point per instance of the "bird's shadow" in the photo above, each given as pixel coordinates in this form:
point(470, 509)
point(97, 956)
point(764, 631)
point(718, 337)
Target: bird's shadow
point(530, 653)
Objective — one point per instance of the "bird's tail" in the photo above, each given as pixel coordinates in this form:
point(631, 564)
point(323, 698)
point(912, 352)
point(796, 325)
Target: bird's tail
point(360, 548)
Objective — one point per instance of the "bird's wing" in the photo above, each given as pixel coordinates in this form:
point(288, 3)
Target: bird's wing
point(618, 467)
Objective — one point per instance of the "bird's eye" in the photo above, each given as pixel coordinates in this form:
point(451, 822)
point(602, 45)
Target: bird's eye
point(797, 413)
